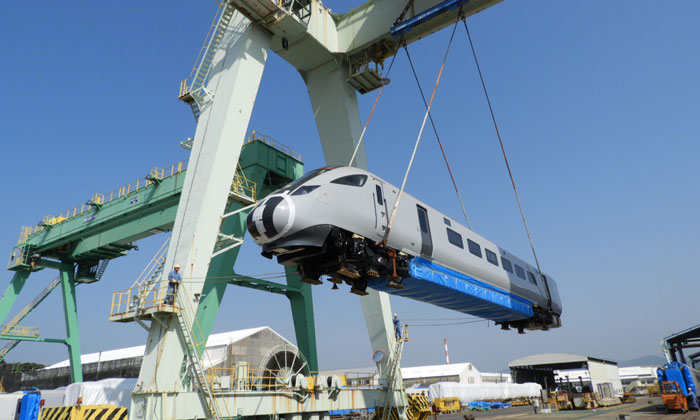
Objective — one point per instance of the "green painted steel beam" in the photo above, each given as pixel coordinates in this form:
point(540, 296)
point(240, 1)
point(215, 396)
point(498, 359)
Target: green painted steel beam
point(117, 223)
point(108, 231)
point(220, 269)
point(11, 292)
point(70, 310)
point(303, 316)
point(269, 168)
point(36, 339)
point(264, 285)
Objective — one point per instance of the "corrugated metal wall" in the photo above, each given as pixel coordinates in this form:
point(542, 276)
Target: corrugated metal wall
point(602, 373)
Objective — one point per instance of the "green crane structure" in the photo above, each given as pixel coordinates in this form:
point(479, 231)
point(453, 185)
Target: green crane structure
point(79, 244)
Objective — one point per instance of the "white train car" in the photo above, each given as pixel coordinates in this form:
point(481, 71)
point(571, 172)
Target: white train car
point(332, 222)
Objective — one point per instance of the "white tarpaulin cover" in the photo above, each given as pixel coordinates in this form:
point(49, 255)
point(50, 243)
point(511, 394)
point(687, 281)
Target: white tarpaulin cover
point(113, 391)
point(483, 391)
point(8, 405)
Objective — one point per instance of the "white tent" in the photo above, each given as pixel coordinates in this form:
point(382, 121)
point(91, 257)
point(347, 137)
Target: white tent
point(112, 391)
point(483, 391)
point(215, 350)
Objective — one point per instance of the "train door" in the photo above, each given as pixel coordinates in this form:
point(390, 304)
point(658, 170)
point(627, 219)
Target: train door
point(380, 208)
point(426, 247)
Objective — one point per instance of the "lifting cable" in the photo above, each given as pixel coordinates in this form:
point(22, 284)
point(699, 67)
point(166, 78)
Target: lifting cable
point(510, 173)
point(420, 134)
point(376, 100)
point(437, 136)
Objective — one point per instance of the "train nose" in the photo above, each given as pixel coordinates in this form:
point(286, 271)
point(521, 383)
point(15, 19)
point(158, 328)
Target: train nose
point(271, 219)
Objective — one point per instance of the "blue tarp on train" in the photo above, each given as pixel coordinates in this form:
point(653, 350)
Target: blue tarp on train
point(487, 405)
point(31, 402)
point(446, 288)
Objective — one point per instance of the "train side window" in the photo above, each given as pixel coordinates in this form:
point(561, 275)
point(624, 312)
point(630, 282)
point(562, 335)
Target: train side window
point(454, 238)
point(380, 198)
point(423, 219)
point(531, 277)
point(447, 221)
point(507, 265)
point(491, 257)
point(474, 248)
point(519, 271)
point(352, 180)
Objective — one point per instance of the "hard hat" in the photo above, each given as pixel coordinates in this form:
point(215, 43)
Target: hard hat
point(177, 266)
point(395, 315)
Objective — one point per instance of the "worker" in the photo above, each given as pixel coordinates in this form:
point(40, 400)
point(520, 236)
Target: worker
point(173, 280)
point(397, 327)
point(536, 405)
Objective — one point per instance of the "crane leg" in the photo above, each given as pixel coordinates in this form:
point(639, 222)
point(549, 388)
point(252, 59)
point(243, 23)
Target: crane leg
point(10, 296)
point(337, 115)
point(237, 69)
point(336, 112)
point(70, 309)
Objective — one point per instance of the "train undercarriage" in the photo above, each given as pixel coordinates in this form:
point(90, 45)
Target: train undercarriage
point(343, 256)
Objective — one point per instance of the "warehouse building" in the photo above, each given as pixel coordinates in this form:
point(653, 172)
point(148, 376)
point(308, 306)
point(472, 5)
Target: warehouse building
point(417, 377)
point(638, 379)
point(569, 371)
point(426, 375)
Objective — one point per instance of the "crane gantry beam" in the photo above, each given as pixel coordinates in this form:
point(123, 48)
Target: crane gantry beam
point(312, 35)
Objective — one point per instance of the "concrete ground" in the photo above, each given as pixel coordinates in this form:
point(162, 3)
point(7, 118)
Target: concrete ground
point(644, 409)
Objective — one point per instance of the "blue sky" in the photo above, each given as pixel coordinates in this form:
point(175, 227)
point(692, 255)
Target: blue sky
point(597, 104)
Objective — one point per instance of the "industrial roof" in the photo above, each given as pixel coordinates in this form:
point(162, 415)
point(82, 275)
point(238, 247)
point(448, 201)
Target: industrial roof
point(690, 334)
point(550, 359)
point(636, 371)
point(214, 340)
point(437, 370)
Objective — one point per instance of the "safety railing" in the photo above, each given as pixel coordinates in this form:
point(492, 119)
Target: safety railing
point(404, 335)
point(243, 378)
point(153, 266)
point(24, 233)
point(184, 89)
point(301, 9)
point(254, 135)
point(100, 199)
point(242, 185)
point(353, 379)
point(19, 257)
point(139, 299)
point(19, 331)
point(246, 379)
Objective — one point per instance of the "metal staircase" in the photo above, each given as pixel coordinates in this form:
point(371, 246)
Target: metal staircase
point(391, 385)
point(193, 90)
point(12, 324)
point(206, 389)
point(101, 269)
point(150, 276)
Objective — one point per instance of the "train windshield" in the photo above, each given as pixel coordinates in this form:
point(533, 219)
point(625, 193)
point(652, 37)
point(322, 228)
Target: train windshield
point(308, 176)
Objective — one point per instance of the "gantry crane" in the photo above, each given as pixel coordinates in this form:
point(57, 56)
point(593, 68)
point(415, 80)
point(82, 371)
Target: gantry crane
point(337, 56)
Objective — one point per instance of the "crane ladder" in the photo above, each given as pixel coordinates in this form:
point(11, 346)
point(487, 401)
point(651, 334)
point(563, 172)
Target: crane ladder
point(101, 269)
point(195, 93)
point(150, 276)
point(205, 388)
point(24, 312)
point(393, 368)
